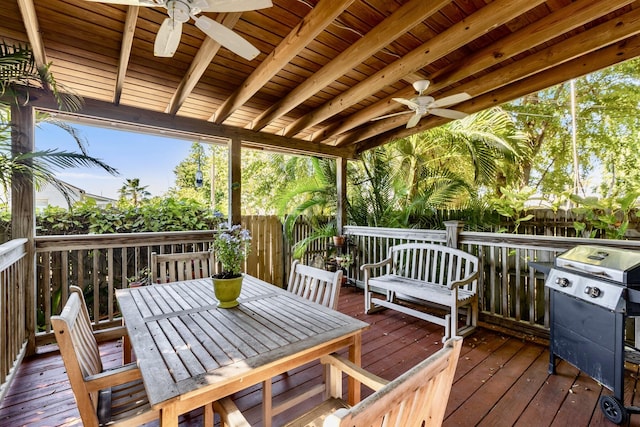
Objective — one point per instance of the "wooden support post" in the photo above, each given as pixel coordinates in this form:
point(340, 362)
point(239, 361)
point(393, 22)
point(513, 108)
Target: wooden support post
point(235, 180)
point(341, 183)
point(23, 211)
point(453, 230)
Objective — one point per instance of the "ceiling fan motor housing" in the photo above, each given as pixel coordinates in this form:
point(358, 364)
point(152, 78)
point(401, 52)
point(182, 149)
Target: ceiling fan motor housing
point(423, 101)
point(179, 10)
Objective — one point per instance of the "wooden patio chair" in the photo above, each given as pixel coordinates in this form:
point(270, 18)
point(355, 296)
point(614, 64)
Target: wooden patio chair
point(416, 398)
point(315, 284)
point(115, 396)
point(319, 286)
point(183, 266)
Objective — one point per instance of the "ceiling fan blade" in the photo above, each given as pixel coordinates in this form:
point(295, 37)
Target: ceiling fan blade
point(409, 103)
point(450, 100)
point(449, 114)
point(414, 120)
point(226, 37)
point(391, 115)
point(132, 2)
point(235, 5)
point(168, 38)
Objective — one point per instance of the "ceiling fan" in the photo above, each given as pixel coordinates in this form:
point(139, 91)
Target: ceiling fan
point(422, 105)
point(179, 11)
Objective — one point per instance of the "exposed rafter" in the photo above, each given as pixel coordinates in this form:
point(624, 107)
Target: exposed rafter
point(125, 50)
point(311, 25)
point(199, 65)
point(30, 20)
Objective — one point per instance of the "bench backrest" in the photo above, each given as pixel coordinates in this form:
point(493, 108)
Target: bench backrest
point(183, 266)
point(432, 263)
point(314, 284)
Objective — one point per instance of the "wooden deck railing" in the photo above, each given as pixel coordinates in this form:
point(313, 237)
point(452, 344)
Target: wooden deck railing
point(512, 293)
point(13, 331)
point(100, 264)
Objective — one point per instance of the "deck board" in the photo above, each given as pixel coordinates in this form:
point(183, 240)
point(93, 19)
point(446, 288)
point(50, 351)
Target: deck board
point(500, 380)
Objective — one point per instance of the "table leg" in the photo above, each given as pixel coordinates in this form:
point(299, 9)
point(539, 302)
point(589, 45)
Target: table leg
point(169, 416)
point(355, 355)
point(126, 348)
point(208, 417)
point(267, 404)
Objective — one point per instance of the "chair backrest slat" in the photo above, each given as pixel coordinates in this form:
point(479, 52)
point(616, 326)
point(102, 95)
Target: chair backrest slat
point(314, 284)
point(183, 266)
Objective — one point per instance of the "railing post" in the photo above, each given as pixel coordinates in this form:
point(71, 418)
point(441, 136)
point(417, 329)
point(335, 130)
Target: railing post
point(23, 223)
point(341, 182)
point(453, 230)
point(235, 179)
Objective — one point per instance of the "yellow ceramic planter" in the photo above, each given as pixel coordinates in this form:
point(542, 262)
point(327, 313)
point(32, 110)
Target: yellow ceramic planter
point(227, 291)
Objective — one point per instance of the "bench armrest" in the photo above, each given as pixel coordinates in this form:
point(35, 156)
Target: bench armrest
point(372, 381)
point(113, 377)
point(371, 266)
point(464, 281)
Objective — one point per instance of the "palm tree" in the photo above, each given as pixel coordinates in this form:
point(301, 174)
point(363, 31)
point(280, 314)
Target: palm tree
point(17, 73)
point(132, 190)
point(460, 157)
point(314, 196)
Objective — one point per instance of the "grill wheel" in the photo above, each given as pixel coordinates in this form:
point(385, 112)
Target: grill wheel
point(613, 409)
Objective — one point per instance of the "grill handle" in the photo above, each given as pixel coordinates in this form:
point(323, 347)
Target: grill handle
point(586, 270)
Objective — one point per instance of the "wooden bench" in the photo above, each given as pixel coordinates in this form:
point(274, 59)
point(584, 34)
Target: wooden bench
point(433, 273)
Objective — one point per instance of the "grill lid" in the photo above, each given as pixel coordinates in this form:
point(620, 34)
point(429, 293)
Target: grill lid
point(618, 265)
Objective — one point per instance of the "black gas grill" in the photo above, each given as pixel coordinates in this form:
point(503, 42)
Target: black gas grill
point(592, 291)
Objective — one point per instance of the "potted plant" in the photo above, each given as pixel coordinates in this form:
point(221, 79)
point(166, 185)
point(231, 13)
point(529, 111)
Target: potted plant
point(143, 278)
point(231, 245)
point(344, 262)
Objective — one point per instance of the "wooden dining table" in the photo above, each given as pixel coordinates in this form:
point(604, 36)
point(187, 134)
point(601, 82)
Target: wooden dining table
point(191, 353)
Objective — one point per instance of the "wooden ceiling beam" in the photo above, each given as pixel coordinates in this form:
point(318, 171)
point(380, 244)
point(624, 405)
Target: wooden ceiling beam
point(30, 20)
point(125, 50)
point(297, 40)
point(560, 22)
point(208, 50)
point(582, 65)
point(394, 26)
point(486, 19)
point(106, 114)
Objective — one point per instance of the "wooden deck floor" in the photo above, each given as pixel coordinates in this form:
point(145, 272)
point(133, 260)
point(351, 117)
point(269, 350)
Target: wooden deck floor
point(500, 380)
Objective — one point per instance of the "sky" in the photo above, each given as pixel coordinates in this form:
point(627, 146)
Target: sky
point(152, 159)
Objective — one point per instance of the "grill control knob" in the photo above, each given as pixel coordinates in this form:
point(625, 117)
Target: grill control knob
point(592, 291)
point(563, 282)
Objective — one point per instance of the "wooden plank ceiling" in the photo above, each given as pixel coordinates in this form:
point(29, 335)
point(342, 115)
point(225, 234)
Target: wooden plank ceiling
point(326, 68)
